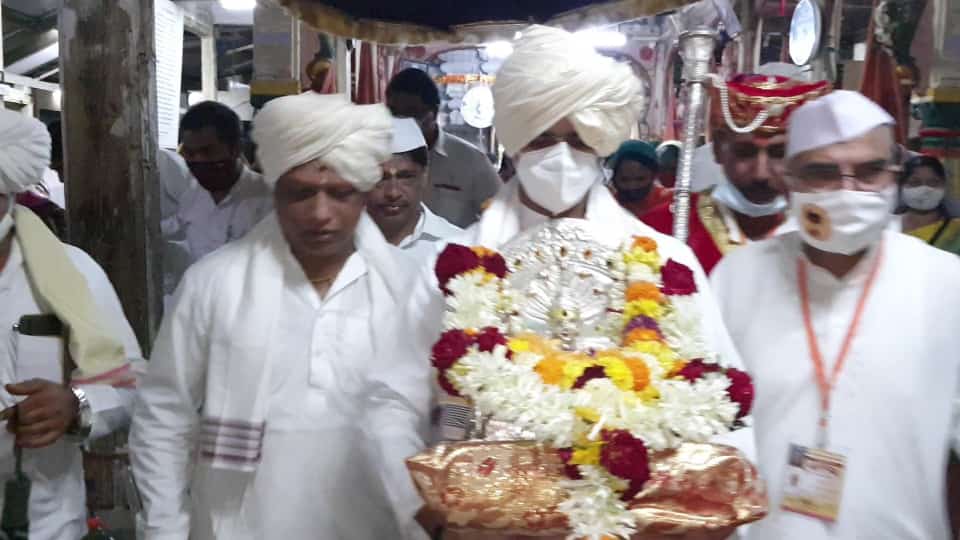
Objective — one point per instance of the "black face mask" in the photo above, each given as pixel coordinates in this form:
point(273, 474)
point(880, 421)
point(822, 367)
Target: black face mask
point(633, 195)
point(215, 176)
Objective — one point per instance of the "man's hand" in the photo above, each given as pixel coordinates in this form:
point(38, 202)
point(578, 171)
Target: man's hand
point(44, 416)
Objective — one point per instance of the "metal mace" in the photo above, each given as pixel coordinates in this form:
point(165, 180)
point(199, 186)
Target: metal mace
point(696, 50)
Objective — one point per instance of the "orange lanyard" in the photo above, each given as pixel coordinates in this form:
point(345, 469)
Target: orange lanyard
point(825, 385)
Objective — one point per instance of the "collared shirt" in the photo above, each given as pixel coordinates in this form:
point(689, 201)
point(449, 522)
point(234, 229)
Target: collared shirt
point(58, 496)
point(332, 486)
point(325, 452)
point(430, 229)
point(892, 410)
point(462, 179)
point(194, 225)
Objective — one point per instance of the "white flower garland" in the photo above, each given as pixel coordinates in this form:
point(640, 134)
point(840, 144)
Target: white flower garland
point(508, 389)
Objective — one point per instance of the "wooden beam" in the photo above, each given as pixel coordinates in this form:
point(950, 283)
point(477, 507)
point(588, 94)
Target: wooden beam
point(110, 144)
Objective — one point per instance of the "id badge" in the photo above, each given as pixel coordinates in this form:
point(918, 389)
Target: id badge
point(814, 483)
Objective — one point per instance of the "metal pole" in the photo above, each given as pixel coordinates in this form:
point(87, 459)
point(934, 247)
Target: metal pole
point(696, 49)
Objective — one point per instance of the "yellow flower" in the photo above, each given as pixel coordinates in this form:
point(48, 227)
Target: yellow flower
point(587, 413)
point(661, 351)
point(530, 343)
point(482, 252)
point(650, 393)
point(638, 256)
point(517, 345)
point(647, 308)
point(573, 369)
point(617, 371)
point(587, 455)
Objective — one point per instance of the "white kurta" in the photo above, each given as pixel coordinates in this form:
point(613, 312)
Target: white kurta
point(194, 225)
point(58, 496)
point(892, 411)
point(322, 471)
point(430, 229)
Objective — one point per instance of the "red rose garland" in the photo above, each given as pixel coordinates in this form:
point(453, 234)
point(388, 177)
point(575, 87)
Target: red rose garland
point(740, 390)
point(453, 261)
point(678, 279)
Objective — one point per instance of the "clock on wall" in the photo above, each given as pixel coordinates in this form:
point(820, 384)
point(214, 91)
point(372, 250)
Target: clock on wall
point(477, 107)
point(806, 31)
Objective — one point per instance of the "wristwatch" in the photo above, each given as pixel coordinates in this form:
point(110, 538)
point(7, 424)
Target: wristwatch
point(82, 425)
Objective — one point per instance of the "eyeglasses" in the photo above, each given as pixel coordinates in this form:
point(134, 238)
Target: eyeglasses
point(866, 176)
point(546, 140)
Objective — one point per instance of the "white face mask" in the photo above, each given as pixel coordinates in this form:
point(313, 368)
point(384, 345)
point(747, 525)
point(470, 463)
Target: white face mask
point(6, 222)
point(923, 198)
point(558, 177)
point(731, 197)
point(842, 221)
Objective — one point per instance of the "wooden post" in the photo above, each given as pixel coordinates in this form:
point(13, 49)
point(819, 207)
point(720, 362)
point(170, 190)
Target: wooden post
point(208, 66)
point(110, 144)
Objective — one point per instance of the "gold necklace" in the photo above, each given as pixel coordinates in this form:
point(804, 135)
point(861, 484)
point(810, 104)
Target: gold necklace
point(320, 281)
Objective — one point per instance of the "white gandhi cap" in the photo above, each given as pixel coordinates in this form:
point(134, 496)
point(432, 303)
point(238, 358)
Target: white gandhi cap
point(839, 116)
point(406, 136)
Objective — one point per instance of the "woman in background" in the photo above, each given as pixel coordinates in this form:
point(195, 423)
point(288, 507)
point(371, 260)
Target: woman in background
point(923, 185)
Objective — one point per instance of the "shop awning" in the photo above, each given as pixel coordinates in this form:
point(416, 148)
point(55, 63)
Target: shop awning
point(471, 21)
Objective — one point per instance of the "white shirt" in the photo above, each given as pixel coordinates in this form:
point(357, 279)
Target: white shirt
point(316, 477)
point(193, 225)
point(430, 229)
point(892, 409)
point(462, 179)
point(58, 496)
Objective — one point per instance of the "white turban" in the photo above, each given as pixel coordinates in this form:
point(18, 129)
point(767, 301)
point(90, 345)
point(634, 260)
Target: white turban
point(352, 139)
point(24, 151)
point(553, 74)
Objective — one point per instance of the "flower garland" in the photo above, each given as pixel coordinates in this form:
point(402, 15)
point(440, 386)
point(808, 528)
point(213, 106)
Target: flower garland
point(606, 410)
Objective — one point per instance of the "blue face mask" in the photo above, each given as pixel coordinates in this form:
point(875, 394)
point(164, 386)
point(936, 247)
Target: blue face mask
point(728, 195)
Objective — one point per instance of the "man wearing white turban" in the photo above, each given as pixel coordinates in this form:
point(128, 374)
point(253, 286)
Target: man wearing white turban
point(850, 333)
point(279, 359)
point(560, 107)
point(65, 346)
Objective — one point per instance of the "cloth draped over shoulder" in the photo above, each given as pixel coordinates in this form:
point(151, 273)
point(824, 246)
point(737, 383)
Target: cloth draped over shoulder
point(98, 354)
point(553, 74)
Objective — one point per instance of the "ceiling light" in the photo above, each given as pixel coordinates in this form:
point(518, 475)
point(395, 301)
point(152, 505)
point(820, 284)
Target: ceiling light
point(603, 39)
point(238, 5)
point(499, 49)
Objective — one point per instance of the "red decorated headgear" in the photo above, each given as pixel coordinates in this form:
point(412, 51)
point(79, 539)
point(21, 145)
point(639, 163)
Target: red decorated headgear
point(751, 93)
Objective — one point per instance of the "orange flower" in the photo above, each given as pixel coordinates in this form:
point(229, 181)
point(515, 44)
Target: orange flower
point(641, 373)
point(550, 369)
point(644, 290)
point(645, 243)
point(641, 334)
